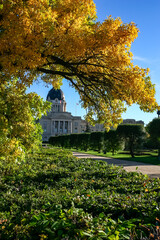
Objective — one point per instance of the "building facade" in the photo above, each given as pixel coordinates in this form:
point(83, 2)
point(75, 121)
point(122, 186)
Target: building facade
point(59, 122)
point(132, 121)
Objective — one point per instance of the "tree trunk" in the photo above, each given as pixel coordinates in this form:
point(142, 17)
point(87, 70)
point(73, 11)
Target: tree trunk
point(159, 154)
point(131, 151)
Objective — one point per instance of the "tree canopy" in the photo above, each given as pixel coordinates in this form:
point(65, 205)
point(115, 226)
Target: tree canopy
point(113, 141)
point(58, 39)
point(153, 128)
point(133, 135)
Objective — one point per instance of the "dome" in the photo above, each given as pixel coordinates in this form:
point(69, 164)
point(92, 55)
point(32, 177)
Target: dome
point(55, 93)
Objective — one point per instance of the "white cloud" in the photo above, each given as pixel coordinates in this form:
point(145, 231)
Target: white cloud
point(140, 59)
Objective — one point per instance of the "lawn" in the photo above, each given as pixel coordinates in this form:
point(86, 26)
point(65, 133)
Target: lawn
point(145, 156)
point(53, 195)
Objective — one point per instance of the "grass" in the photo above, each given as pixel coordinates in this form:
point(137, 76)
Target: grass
point(149, 157)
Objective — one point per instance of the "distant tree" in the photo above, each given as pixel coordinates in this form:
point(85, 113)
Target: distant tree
point(88, 129)
point(113, 142)
point(153, 129)
point(133, 135)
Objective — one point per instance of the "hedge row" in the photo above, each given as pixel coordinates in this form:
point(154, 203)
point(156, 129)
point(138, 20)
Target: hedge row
point(97, 141)
point(83, 141)
point(128, 136)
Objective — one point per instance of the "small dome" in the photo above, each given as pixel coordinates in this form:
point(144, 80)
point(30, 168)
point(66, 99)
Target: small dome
point(55, 93)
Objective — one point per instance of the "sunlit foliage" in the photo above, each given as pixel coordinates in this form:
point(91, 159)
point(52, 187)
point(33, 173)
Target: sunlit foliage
point(19, 112)
point(61, 39)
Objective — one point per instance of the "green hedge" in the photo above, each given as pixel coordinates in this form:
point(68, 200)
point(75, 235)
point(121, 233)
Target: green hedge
point(113, 142)
point(97, 141)
point(53, 195)
point(82, 141)
point(128, 136)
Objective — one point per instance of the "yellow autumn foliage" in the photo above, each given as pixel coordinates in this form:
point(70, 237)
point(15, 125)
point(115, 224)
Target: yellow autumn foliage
point(19, 111)
point(61, 39)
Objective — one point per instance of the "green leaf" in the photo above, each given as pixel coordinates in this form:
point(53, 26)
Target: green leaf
point(87, 234)
point(101, 215)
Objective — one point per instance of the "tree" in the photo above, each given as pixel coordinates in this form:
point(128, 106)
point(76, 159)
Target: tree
point(133, 135)
point(153, 128)
point(112, 141)
point(88, 129)
point(61, 39)
point(19, 111)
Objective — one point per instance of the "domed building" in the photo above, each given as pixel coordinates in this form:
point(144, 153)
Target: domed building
point(59, 122)
point(58, 100)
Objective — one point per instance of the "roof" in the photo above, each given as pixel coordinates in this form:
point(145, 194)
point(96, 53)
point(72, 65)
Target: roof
point(55, 93)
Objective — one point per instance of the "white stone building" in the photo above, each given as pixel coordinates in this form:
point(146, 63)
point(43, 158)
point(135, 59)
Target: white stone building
point(132, 121)
point(59, 122)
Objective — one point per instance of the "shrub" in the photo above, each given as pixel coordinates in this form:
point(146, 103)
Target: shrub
point(84, 141)
point(153, 128)
point(113, 142)
point(96, 141)
point(53, 195)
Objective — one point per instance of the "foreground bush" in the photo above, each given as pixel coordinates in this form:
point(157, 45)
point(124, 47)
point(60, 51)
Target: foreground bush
point(20, 131)
point(53, 195)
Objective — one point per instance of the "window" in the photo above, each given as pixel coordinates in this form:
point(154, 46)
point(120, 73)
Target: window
point(53, 108)
point(45, 126)
point(53, 127)
point(66, 124)
point(61, 126)
point(66, 127)
point(56, 126)
point(75, 130)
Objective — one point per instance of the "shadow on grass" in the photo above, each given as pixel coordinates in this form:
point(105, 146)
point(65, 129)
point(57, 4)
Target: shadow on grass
point(149, 159)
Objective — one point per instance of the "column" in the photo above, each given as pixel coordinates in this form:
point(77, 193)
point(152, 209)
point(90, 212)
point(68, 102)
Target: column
point(53, 126)
point(64, 127)
point(58, 127)
point(69, 127)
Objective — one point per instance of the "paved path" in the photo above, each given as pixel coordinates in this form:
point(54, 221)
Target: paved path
point(153, 171)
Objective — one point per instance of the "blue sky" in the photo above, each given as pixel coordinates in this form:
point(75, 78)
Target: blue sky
point(145, 49)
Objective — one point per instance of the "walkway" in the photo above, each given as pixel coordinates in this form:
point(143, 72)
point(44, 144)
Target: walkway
point(153, 171)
